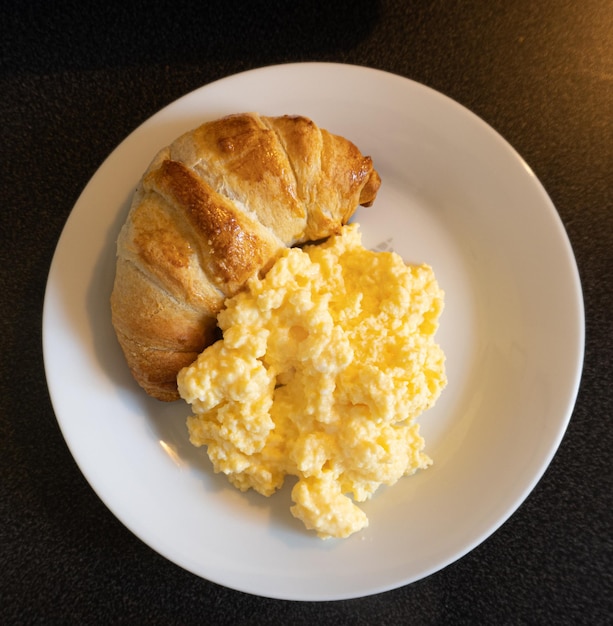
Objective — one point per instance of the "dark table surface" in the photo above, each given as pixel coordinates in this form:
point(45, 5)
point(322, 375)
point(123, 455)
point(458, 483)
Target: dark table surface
point(76, 78)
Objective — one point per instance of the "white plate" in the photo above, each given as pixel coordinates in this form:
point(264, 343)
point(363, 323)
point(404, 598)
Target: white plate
point(454, 195)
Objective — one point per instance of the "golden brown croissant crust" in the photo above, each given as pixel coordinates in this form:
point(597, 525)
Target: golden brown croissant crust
point(214, 208)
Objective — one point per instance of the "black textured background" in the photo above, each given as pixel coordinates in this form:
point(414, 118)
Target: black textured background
point(77, 77)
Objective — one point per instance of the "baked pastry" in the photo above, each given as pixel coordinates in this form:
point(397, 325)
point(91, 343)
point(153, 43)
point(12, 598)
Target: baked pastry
point(214, 208)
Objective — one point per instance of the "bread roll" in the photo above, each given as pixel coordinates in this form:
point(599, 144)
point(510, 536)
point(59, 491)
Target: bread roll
point(215, 207)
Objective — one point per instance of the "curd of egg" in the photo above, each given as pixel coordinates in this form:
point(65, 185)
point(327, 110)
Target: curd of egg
point(324, 366)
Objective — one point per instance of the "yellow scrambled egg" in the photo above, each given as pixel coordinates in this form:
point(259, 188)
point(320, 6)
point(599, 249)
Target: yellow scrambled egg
point(324, 365)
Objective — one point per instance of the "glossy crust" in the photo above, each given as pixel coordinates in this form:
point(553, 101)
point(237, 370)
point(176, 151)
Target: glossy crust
point(214, 208)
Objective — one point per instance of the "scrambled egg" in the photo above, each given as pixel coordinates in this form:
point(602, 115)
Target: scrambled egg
point(324, 365)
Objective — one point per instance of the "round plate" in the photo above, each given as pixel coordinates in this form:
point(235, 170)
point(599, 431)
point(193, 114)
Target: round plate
point(456, 196)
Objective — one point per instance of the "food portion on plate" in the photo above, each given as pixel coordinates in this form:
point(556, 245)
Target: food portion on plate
point(214, 208)
point(241, 288)
point(324, 365)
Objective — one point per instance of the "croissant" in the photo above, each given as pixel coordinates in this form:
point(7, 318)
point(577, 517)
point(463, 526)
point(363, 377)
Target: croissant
point(214, 208)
